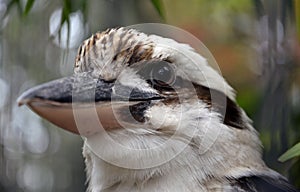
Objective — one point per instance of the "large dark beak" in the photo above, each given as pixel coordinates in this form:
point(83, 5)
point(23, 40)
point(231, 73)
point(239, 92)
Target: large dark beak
point(73, 103)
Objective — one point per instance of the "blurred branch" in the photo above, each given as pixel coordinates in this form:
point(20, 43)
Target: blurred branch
point(259, 8)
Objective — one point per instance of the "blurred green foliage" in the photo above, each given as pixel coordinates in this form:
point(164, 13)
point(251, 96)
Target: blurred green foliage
point(297, 11)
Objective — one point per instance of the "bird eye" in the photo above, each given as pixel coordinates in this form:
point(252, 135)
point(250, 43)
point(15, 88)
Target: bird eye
point(162, 74)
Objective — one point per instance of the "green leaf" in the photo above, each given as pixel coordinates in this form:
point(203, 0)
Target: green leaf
point(158, 6)
point(28, 7)
point(291, 153)
point(65, 17)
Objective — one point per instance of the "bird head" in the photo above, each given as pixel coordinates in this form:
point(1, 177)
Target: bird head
point(139, 100)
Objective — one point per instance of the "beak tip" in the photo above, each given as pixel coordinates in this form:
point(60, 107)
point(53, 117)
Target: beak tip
point(24, 98)
point(21, 101)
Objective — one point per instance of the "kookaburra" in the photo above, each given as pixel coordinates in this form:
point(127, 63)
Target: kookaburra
point(154, 117)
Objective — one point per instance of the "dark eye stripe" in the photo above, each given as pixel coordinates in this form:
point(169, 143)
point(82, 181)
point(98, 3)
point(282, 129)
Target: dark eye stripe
point(216, 100)
point(230, 111)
